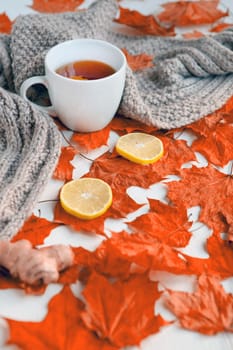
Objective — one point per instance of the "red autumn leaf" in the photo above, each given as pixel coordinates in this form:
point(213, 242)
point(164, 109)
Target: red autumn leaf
point(124, 125)
point(109, 262)
point(193, 35)
point(91, 226)
point(176, 153)
point(228, 105)
point(206, 125)
point(64, 168)
point(35, 230)
point(220, 27)
point(184, 13)
point(219, 262)
point(55, 6)
point(62, 320)
point(69, 275)
point(146, 252)
point(145, 24)
point(217, 145)
point(121, 173)
point(109, 305)
point(5, 23)
point(138, 62)
point(167, 223)
point(193, 188)
point(208, 310)
point(7, 282)
point(102, 260)
point(89, 141)
point(122, 205)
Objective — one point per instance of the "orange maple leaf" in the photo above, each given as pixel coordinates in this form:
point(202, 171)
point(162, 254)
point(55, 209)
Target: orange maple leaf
point(5, 23)
point(217, 145)
point(138, 62)
point(92, 226)
point(121, 206)
point(167, 223)
point(125, 125)
point(89, 141)
point(121, 173)
point(35, 230)
point(208, 310)
point(63, 320)
point(184, 13)
point(220, 27)
point(192, 190)
point(145, 24)
point(55, 6)
point(110, 304)
point(107, 261)
point(206, 125)
point(146, 252)
point(64, 168)
point(219, 262)
point(7, 282)
point(193, 35)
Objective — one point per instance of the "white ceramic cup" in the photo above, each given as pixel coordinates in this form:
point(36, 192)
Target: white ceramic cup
point(82, 105)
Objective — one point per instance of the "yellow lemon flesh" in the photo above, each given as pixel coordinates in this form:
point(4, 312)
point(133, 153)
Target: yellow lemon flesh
point(140, 148)
point(86, 198)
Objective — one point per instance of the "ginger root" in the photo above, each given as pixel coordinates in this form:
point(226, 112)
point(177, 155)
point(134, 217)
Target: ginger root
point(35, 266)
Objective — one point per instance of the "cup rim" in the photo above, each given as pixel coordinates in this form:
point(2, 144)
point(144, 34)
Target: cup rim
point(68, 42)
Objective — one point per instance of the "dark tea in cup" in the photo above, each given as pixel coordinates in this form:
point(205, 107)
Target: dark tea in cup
point(82, 105)
point(85, 70)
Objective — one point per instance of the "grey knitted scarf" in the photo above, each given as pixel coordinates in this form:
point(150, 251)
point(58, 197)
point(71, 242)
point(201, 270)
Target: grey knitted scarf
point(189, 80)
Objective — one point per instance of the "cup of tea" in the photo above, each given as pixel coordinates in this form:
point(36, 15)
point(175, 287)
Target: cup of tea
point(85, 80)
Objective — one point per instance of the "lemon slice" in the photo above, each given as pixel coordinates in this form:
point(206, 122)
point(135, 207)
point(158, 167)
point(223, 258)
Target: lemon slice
point(86, 198)
point(140, 147)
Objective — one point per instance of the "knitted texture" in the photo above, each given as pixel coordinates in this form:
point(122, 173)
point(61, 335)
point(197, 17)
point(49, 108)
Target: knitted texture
point(29, 149)
point(190, 78)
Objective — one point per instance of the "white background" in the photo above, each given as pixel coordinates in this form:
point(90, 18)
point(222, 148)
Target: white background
point(16, 305)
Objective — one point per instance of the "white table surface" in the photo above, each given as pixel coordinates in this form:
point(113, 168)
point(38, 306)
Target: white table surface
point(16, 305)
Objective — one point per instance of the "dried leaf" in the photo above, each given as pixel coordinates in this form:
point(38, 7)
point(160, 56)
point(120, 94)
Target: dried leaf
point(220, 27)
point(55, 6)
point(184, 13)
point(146, 252)
point(122, 205)
point(108, 262)
point(217, 145)
point(90, 226)
point(219, 262)
point(208, 310)
point(193, 35)
point(192, 190)
point(109, 305)
point(138, 62)
point(125, 125)
point(121, 173)
point(145, 24)
point(64, 168)
point(89, 141)
point(5, 23)
point(63, 320)
point(35, 230)
point(167, 223)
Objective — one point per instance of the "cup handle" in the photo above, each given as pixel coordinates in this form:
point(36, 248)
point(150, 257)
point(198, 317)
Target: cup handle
point(32, 81)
